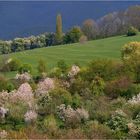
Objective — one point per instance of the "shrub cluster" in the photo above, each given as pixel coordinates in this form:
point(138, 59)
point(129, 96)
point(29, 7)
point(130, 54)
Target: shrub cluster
point(100, 100)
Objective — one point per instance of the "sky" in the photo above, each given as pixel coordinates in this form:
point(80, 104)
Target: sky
point(24, 18)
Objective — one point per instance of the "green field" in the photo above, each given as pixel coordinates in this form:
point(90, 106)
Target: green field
point(79, 53)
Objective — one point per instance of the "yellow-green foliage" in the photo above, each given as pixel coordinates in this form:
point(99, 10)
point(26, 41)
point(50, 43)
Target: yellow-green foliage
point(131, 49)
point(131, 57)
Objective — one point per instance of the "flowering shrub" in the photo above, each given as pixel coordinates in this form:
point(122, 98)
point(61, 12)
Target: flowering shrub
point(3, 134)
point(3, 112)
point(25, 77)
point(134, 126)
point(83, 114)
point(118, 121)
point(23, 93)
point(132, 129)
point(135, 100)
point(30, 116)
point(59, 104)
point(45, 86)
point(70, 116)
point(43, 103)
point(74, 71)
point(65, 84)
point(137, 119)
point(4, 97)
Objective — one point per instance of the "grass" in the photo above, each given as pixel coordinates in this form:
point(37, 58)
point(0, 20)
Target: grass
point(75, 53)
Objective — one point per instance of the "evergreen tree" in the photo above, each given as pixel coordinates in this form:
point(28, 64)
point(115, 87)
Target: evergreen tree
point(59, 33)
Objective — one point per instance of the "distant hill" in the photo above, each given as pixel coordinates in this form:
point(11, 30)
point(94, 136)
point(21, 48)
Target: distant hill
point(22, 18)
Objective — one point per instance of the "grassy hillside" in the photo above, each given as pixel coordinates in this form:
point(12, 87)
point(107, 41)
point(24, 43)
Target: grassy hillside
point(80, 53)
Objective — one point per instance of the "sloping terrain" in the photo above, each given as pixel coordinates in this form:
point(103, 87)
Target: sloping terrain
point(76, 53)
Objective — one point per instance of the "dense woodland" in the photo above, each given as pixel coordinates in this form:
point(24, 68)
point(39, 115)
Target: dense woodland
point(98, 101)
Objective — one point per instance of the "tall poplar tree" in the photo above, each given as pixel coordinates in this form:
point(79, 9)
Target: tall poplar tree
point(59, 33)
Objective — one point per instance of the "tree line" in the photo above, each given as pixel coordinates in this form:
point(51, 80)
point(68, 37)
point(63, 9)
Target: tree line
point(116, 23)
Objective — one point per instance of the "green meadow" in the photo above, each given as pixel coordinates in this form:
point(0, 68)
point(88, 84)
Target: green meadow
point(108, 48)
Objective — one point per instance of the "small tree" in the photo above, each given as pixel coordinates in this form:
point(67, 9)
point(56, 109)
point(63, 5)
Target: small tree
point(131, 58)
point(5, 47)
point(73, 35)
point(41, 66)
point(132, 31)
point(90, 29)
point(83, 39)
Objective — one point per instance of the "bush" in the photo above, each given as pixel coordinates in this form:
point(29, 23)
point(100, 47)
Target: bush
point(94, 130)
point(118, 87)
point(99, 108)
point(73, 134)
point(14, 64)
point(3, 83)
point(57, 97)
point(80, 87)
point(97, 86)
point(132, 31)
point(44, 103)
point(41, 66)
point(72, 118)
point(50, 124)
point(132, 91)
point(131, 49)
point(62, 66)
point(15, 118)
point(25, 68)
point(5, 47)
point(55, 72)
point(137, 125)
point(10, 86)
point(118, 121)
point(60, 96)
point(131, 57)
point(106, 69)
point(76, 101)
point(9, 64)
point(4, 64)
